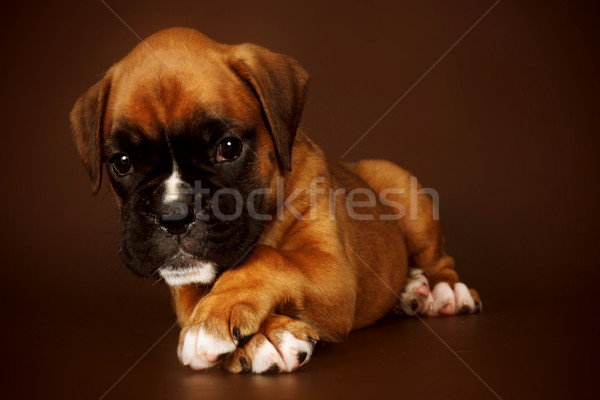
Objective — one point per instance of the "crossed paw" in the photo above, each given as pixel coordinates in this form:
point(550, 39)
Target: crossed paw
point(419, 298)
point(282, 344)
point(246, 339)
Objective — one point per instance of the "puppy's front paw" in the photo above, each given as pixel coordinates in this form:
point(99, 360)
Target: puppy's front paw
point(282, 345)
point(201, 349)
point(217, 325)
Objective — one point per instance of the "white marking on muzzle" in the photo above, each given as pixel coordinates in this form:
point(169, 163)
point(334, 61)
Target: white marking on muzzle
point(172, 186)
point(203, 273)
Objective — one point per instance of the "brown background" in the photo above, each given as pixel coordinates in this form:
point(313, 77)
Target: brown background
point(505, 127)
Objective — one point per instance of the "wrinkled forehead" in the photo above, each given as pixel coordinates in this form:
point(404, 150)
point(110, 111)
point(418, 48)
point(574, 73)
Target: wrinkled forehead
point(155, 95)
point(182, 135)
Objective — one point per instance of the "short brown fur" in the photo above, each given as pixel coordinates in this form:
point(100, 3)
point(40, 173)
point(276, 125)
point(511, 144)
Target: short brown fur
point(334, 275)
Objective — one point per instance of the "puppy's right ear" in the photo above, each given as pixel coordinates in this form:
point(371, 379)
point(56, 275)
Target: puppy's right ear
point(87, 121)
point(279, 83)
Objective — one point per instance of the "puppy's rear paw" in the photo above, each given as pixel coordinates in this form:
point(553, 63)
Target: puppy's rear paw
point(417, 298)
point(281, 345)
point(448, 301)
point(416, 295)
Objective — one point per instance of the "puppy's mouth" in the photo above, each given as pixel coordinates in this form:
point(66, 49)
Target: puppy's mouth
point(186, 269)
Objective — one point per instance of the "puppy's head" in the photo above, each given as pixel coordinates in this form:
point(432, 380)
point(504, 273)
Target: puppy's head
point(191, 131)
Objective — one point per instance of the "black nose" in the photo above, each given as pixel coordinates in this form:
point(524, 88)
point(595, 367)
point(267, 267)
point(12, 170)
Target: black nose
point(177, 213)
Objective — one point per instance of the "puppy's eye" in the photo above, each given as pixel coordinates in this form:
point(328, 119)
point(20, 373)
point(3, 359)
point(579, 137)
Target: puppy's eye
point(229, 149)
point(121, 165)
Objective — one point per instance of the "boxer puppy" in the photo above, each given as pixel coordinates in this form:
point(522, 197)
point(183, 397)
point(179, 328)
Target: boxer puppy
point(266, 245)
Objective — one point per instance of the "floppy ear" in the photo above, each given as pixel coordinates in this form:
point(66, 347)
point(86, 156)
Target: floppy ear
point(87, 120)
point(279, 82)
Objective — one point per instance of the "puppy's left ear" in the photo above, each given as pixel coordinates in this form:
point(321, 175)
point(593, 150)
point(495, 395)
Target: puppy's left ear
point(279, 82)
point(87, 120)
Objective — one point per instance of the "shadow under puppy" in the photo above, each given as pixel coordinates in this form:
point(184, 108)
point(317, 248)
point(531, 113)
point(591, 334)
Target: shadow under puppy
point(267, 246)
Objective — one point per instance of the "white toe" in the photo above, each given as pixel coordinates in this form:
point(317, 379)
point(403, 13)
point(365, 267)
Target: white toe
point(463, 297)
point(188, 350)
point(201, 349)
point(290, 348)
point(265, 357)
point(442, 296)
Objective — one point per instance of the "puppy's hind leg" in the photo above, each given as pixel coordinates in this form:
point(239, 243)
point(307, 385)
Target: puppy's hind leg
point(418, 298)
point(447, 295)
point(430, 265)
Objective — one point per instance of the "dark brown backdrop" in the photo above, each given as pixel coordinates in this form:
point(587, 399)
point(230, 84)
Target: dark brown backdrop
point(505, 127)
